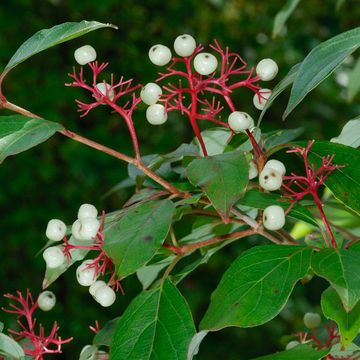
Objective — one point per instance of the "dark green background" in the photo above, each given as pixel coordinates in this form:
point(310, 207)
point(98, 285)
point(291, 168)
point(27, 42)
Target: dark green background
point(52, 180)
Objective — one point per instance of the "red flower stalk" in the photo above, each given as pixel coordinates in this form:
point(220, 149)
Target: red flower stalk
point(191, 99)
point(34, 344)
point(297, 187)
point(110, 95)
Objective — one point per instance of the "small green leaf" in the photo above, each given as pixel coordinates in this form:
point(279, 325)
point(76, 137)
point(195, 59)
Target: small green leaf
point(138, 234)
point(10, 348)
point(19, 133)
point(299, 352)
point(222, 177)
point(283, 15)
point(354, 81)
point(157, 324)
point(105, 336)
point(350, 134)
point(256, 286)
point(320, 63)
point(47, 38)
point(348, 322)
point(342, 269)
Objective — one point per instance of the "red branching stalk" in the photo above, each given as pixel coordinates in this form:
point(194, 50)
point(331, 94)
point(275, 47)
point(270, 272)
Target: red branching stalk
point(191, 99)
point(34, 344)
point(114, 91)
point(297, 187)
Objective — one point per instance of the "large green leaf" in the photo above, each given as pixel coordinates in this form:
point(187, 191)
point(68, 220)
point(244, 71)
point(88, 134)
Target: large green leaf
point(283, 15)
point(19, 133)
point(303, 352)
point(138, 234)
point(348, 322)
point(354, 81)
point(46, 38)
point(10, 348)
point(156, 325)
point(222, 177)
point(350, 134)
point(342, 269)
point(320, 63)
point(256, 286)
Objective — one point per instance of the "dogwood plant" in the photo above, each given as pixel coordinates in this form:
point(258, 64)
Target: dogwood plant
point(229, 174)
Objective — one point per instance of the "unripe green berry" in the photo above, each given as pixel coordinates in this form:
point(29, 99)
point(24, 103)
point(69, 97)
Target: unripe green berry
point(312, 320)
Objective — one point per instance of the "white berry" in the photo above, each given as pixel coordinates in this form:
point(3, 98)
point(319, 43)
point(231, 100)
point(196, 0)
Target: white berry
point(89, 228)
point(54, 257)
point(267, 69)
point(55, 230)
point(46, 300)
point(87, 211)
point(253, 170)
point(95, 286)
point(312, 320)
point(291, 344)
point(160, 55)
point(270, 179)
point(75, 229)
point(85, 54)
point(240, 121)
point(105, 90)
point(184, 45)
point(205, 63)
point(86, 276)
point(260, 99)
point(88, 352)
point(105, 296)
point(150, 93)
point(156, 114)
point(276, 165)
point(274, 217)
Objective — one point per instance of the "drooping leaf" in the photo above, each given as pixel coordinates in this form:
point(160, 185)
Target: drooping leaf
point(10, 348)
point(350, 134)
point(354, 81)
point(157, 324)
point(47, 38)
point(299, 352)
point(283, 15)
point(348, 322)
point(342, 269)
point(256, 286)
point(138, 234)
point(195, 344)
point(19, 133)
point(320, 63)
point(222, 177)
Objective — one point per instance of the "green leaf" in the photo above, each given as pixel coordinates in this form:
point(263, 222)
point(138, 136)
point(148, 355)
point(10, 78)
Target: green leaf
point(299, 352)
point(260, 200)
point(354, 81)
point(47, 38)
point(157, 324)
point(10, 348)
point(283, 15)
point(348, 322)
point(320, 63)
point(344, 183)
point(256, 286)
point(105, 336)
point(19, 133)
point(350, 134)
point(280, 137)
point(138, 234)
point(222, 177)
point(279, 88)
point(342, 269)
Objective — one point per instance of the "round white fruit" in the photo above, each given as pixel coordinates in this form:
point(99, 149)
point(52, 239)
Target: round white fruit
point(87, 211)
point(276, 165)
point(105, 90)
point(156, 114)
point(89, 228)
point(160, 55)
point(54, 257)
point(75, 229)
point(312, 320)
point(46, 300)
point(95, 286)
point(150, 93)
point(253, 170)
point(55, 230)
point(240, 121)
point(184, 45)
point(86, 276)
point(291, 344)
point(105, 296)
point(274, 217)
point(260, 99)
point(85, 54)
point(267, 69)
point(270, 179)
point(205, 63)
point(88, 352)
